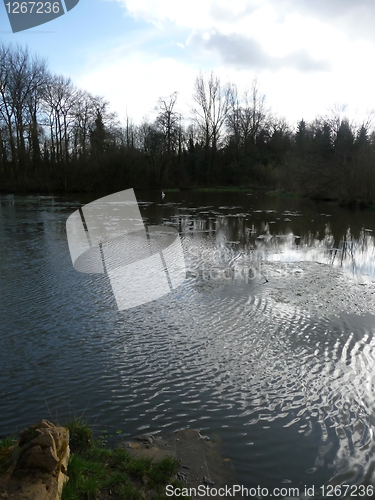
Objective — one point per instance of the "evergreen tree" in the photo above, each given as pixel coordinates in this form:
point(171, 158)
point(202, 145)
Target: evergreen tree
point(344, 140)
point(323, 146)
point(98, 136)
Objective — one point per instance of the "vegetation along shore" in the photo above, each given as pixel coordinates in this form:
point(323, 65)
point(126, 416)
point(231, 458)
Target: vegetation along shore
point(55, 137)
point(93, 471)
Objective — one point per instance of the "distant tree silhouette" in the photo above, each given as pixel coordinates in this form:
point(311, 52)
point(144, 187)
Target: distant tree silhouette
point(57, 137)
point(211, 99)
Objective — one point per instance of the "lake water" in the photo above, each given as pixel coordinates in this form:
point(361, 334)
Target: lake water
point(289, 393)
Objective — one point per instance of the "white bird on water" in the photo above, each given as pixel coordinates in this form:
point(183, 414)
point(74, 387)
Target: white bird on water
point(162, 195)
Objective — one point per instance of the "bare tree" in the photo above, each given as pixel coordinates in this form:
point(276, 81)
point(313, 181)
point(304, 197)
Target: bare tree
point(167, 121)
point(60, 100)
point(212, 101)
point(22, 83)
point(84, 114)
point(247, 116)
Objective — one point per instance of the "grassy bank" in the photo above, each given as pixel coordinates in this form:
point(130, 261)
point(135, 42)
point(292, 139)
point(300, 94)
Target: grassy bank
point(230, 189)
point(98, 473)
point(285, 194)
point(5, 444)
point(219, 189)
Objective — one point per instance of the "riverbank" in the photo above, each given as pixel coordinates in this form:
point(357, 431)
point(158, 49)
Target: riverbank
point(268, 190)
point(138, 469)
point(200, 458)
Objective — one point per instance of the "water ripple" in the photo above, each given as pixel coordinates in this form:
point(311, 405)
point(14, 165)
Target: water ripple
point(290, 393)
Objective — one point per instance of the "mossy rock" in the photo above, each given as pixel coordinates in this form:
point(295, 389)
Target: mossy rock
point(28, 434)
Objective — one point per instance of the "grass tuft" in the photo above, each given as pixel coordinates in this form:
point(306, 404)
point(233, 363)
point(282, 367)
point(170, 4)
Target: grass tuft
point(5, 446)
point(97, 473)
point(164, 470)
point(80, 435)
point(7, 442)
point(139, 467)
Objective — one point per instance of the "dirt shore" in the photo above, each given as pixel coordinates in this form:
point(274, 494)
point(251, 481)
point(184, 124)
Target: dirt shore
point(201, 459)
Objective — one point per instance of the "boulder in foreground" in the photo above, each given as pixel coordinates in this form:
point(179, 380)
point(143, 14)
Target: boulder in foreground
point(38, 464)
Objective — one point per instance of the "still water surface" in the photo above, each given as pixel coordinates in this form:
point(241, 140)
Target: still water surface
point(290, 395)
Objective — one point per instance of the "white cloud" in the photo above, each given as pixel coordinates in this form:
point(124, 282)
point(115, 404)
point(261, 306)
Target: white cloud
point(192, 14)
point(305, 58)
point(241, 51)
point(134, 84)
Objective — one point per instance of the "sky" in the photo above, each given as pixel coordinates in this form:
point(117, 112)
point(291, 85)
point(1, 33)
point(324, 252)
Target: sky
point(308, 56)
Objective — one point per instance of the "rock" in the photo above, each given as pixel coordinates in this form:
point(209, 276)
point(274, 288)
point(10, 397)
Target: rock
point(38, 464)
point(207, 481)
point(36, 457)
point(33, 431)
point(144, 438)
point(44, 440)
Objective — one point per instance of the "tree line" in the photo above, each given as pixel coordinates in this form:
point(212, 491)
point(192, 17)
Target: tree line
point(56, 137)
